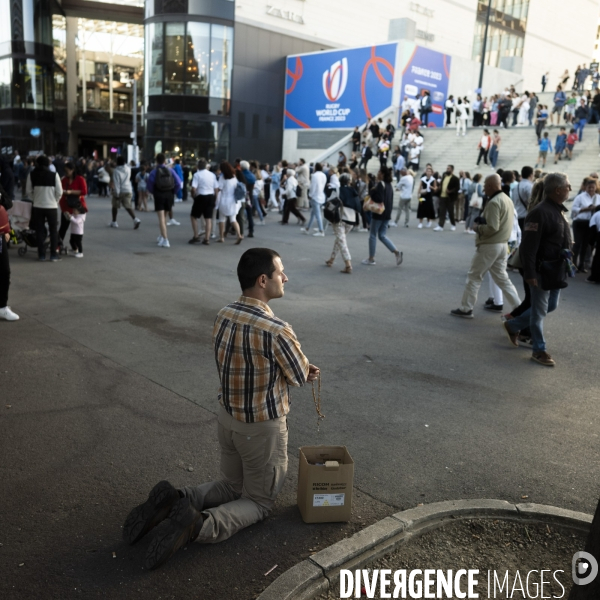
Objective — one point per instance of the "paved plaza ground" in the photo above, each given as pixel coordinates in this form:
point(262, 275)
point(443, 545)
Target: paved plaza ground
point(109, 384)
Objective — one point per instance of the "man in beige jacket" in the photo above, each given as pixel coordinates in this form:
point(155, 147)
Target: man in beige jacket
point(303, 177)
point(491, 253)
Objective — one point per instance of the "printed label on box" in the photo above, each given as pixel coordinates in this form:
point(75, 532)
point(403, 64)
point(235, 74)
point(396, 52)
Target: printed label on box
point(328, 499)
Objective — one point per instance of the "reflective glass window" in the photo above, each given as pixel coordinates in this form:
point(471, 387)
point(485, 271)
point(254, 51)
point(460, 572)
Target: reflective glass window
point(5, 82)
point(154, 59)
point(198, 58)
point(5, 34)
point(37, 21)
point(174, 58)
point(59, 39)
point(221, 61)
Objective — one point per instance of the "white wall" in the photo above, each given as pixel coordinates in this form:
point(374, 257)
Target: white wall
point(464, 78)
point(559, 36)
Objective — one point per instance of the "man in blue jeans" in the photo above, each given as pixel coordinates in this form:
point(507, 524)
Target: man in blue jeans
point(582, 116)
point(545, 235)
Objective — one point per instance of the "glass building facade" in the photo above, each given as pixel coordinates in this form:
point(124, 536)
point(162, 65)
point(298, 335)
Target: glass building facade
point(188, 73)
point(30, 76)
point(506, 33)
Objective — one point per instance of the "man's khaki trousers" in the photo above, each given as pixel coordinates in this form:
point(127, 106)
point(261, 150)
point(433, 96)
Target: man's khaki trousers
point(492, 258)
point(253, 469)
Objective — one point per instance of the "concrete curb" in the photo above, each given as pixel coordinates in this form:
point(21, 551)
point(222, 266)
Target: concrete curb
point(319, 572)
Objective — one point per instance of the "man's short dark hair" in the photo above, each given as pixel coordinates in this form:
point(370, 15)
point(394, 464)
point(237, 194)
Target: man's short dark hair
point(526, 172)
point(120, 161)
point(202, 164)
point(318, 167)
point(451, 167)
point(42, 161)
point(160, 158)
point(254, 263)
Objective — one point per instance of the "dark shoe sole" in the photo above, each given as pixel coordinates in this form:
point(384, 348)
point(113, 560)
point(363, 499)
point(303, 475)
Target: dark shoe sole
point(183, 519)
point(467, 316)
point(146, 516)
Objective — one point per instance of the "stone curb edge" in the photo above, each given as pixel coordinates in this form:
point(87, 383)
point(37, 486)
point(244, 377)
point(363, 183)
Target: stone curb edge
point(320, 571)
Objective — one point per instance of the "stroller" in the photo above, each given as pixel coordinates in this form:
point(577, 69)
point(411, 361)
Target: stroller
point(23, 233)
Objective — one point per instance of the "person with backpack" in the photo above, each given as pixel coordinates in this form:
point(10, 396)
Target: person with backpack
point(122, 192)
point(163, 183)
point(342, 212)
point(5, 204)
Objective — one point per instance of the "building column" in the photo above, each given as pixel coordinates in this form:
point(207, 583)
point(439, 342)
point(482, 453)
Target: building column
point(72, 82)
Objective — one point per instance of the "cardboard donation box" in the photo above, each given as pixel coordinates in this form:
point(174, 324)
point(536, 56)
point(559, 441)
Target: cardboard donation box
point(325, 480)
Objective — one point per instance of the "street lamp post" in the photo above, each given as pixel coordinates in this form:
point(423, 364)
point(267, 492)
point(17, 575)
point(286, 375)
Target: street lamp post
point(487, 25)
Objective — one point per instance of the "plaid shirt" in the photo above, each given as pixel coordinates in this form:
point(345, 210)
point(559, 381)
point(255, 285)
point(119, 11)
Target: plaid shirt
point(258, 356)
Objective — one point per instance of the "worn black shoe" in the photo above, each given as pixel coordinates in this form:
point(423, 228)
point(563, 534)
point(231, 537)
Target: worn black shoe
point(465, 314)
point(489, 302)
point(146, 516)
point(184, 526)
point(494, 307)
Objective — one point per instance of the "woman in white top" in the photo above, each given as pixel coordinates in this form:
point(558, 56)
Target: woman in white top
point(227, 205)
point(425, 210)
point(524, 105)
point(257, 194)
point(581, 212)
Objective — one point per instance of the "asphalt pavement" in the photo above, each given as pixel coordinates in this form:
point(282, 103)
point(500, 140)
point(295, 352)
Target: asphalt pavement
point(109, 385)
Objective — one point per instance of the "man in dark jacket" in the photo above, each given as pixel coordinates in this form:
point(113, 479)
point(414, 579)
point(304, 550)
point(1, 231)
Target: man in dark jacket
point(582, 116)
point(545, 235)
point(448, 198)
point(365, 156)
point(356, 140)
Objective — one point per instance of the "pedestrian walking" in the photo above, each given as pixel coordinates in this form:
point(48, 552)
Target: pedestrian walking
point(449, 106)
point(461, 118)
point(546, 238)
point(581, 118)
point(485, 143)
point(405, 187)
point(204, 193)
point(349, 210)
point(122, 193)
point(560, 145)
point(493, 231)
point(73, 208)
point(6, 313)
point(303, 177)
point(544, 81)
point(595, 243)
point(475, 204)
point(163, 183)
point(318, 181)
point(382, 194)
point(142, 188)
point(45, 189)
point(584, 206)
point(545, 146)
point(425, 209)
point(365, 156)
point(495, 148)
point(521, 194)
point(448, 192)
point(227, 205)
point(559, 101)
point(252, 421)
point(571, 141)
point(291, 185)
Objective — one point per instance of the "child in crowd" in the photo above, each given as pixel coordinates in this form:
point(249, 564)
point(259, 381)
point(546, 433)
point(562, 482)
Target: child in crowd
point(76, 240)
point(560, 144)
point(571, 140)
point(545, 147)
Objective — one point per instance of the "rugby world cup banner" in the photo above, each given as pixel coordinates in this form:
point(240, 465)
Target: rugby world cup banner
point(427, 70)
point(339, 88)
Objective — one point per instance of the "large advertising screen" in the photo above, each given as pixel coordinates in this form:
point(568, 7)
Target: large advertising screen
point(338, 89)
point(427, 70)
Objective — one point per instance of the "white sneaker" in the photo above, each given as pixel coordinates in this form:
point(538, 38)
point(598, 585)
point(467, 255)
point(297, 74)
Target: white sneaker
point(363, 230)
point(315, 229)
point(160, 239)
point(393, 224)
point(114, 224)
point(173, 222)
point(78, 255)
point(136, 223)
point(261, 223)
point(164, 243)
point(428, 224)
point(319, 234)
point(438, 228)
point(304, 231)
point(420, 226)
point(368, 262)
point(452, 228)
point(8, 315)
point(472, 232)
